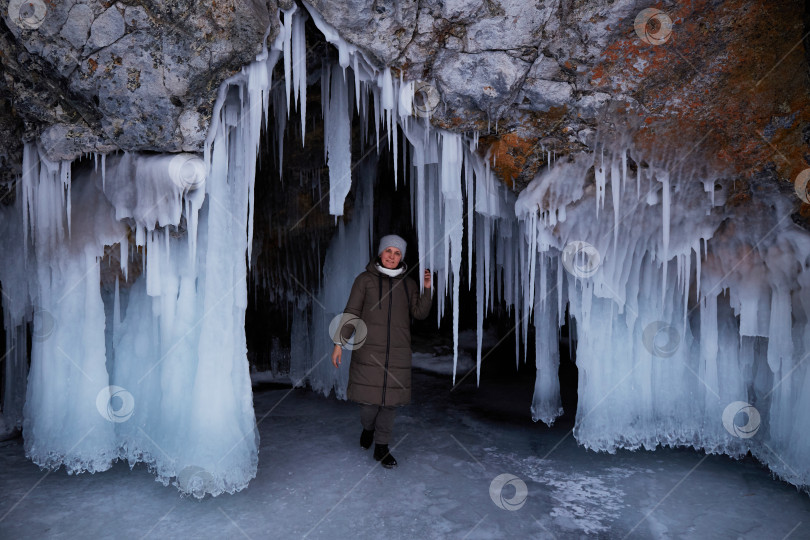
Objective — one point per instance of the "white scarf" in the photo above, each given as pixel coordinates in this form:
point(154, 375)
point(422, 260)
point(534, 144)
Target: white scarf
point(393, 272)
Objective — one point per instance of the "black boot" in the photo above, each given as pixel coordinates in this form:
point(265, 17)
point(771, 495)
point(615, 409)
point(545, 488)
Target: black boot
point(366, 438)
point(382, 455)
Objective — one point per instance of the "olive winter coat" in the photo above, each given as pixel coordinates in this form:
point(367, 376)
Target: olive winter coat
point(380, 371)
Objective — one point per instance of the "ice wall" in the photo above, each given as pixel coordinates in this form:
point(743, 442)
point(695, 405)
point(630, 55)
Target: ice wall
point(154, 372)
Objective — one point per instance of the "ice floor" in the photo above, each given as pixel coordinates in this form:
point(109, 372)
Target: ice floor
point(315, 481)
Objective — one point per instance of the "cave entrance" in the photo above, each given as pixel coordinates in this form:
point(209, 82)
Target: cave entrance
point(293, 230)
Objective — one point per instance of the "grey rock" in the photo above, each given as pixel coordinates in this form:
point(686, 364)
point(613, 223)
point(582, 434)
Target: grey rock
point(108, 28)
point(513, 26)
point(590, 105)
point(382, 28)
point(67, 141)
point(460, 10)
point(193, 129)
point(129, 76)
point(77, 27)
point(541, 95)
point(483, 82)
point(137, 18)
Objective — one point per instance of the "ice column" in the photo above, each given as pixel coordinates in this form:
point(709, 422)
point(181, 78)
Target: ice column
point(677, 344)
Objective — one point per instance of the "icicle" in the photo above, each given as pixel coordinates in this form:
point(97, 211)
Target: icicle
point(665, 209)
point(123, 256)
point(599, 173)
point(64, 172)
point(299, 50)
point(116, 312)
point(286, 31)
point(451, 165)
point(615, 190)
point(338, 143)
point(356, 71)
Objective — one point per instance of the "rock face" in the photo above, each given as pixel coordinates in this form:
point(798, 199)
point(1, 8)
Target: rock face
point(98, 76)
point(725, 83)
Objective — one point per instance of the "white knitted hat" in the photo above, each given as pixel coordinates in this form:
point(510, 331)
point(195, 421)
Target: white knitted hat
point(392, 240)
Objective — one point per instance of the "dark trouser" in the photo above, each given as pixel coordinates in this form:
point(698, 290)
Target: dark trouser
point(379, 419)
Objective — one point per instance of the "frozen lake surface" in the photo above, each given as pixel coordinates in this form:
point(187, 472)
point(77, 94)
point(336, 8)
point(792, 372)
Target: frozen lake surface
point(315, 481)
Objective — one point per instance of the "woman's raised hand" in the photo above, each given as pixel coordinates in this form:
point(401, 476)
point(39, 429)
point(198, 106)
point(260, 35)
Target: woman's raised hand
point(427, 278)
point(337, 353)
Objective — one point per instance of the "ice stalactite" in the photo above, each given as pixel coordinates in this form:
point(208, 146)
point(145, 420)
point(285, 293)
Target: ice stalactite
point(62, 424)
point(337, 128)
point(677, 345)
point(546, 403)
point(166, 381)
point(441, 167)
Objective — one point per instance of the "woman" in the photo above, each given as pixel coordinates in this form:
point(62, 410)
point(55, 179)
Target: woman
point(380, 372)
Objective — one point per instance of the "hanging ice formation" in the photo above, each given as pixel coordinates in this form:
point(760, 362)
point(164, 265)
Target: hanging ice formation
point(155, 372)
point(171, 385)
point(683, 333)
point(442, 166)
point(693, 329)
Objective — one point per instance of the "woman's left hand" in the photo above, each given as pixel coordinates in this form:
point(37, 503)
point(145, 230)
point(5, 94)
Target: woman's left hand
point(427, 278)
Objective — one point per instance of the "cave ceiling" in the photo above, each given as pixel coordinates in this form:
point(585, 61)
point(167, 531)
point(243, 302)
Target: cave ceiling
point(722, 85)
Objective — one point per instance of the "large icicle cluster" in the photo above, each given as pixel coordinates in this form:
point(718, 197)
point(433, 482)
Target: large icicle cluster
point(156, 371)
point(692, 319)
point(441, 167)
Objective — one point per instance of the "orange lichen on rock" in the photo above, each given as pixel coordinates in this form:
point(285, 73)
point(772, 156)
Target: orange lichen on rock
point(729, 86)
point(508, 155)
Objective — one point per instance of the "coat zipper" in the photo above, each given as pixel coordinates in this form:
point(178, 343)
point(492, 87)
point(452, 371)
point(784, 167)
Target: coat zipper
point(388, 340)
